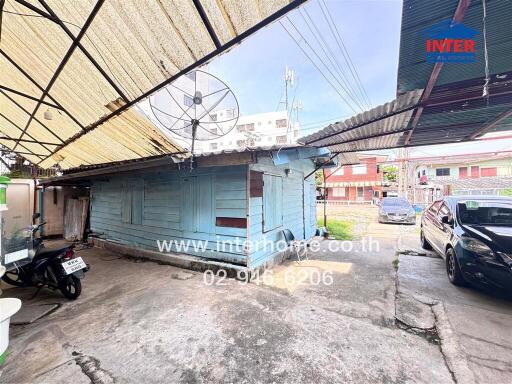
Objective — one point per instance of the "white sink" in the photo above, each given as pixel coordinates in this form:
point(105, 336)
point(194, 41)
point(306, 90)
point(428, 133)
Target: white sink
point(8, 307)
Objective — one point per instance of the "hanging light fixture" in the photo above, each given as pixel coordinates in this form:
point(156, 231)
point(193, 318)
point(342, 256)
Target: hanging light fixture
point(48, 115)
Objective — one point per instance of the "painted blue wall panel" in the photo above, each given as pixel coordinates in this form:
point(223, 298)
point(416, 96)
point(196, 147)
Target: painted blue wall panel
point(173, 210)
point(297, 193)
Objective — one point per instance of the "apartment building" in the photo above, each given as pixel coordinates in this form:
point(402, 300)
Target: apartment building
point(262, 129)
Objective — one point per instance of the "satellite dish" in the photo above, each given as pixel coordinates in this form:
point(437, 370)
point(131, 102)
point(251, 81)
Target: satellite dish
point(197, 106)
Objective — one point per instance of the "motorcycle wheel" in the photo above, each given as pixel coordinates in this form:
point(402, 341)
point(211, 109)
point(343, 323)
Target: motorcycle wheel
point(71, 287)
point(13, 278)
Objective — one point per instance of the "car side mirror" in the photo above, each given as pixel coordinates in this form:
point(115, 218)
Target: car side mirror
point(447, 220)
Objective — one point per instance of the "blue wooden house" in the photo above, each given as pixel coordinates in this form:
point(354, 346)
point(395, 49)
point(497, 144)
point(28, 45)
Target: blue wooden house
point(232, 207)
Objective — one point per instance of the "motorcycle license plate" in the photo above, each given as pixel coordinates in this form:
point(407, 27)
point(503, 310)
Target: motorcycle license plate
point(73, 265)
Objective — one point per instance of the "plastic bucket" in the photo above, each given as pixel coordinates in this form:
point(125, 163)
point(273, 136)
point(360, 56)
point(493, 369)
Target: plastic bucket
point(8, 307)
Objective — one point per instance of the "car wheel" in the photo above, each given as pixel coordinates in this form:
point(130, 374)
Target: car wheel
point(453, 268)
point(424, 242)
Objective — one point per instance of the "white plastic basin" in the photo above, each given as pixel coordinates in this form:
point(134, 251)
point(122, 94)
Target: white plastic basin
point(8, 307)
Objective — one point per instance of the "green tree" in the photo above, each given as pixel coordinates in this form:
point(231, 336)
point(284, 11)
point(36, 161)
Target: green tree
point(319, 178)
point(390, 173)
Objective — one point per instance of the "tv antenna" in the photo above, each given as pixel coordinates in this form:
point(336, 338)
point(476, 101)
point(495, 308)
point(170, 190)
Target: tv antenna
point(196, 106)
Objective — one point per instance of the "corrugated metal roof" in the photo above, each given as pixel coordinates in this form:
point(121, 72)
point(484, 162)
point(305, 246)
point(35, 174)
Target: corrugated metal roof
point(379, 127)
point(348, 158)
point(83, 56)
point(480, 183)
point(273, 148)
point(455, 110)
point(414, 71)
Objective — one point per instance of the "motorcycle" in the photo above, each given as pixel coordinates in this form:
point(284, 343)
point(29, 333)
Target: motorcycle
point(58, 269)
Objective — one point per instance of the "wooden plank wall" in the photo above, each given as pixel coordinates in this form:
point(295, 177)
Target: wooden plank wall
point(294, 213)
point(221, 192)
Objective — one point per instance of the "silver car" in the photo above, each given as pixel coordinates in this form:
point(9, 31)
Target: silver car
point(396, 210)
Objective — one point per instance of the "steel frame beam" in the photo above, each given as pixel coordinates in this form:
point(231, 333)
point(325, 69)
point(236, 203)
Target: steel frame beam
point(40, 88)
point(30, 153)
point(2, 3)
point(27, 96)
point(502, 116)
point(63, 62)
point(370, 136)
point(76, 41)
point(28, 113)
point(293, 4)
point(460, 12)
point(33, 8)
point(52, 16)
point(362, 124)
point(322, 164)
point(26, 141)
point(207, 24)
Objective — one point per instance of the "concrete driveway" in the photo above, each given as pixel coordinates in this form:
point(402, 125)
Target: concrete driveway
point(144, 322)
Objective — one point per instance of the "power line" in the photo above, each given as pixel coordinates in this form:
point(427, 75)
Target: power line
point(325, 47)
point(317, 67)
point(343, 49)
point(321, 61)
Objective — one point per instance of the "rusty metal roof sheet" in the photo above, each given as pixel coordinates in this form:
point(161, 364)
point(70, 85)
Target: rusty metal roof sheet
point(89, 61)
point(379, 127)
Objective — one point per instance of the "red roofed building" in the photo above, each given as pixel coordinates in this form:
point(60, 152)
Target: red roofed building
point(361, 182)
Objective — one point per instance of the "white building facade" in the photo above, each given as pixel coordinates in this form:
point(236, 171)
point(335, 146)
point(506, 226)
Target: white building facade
point(262, 129)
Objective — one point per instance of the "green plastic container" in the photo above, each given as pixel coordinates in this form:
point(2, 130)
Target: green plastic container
point(4, 181)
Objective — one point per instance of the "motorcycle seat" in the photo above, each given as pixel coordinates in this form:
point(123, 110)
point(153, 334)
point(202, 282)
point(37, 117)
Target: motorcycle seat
point(47, 252)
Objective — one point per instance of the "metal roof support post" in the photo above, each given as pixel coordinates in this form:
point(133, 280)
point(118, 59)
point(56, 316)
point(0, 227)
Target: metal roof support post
point(65, 59)
point(41, 88)
point(462, 6)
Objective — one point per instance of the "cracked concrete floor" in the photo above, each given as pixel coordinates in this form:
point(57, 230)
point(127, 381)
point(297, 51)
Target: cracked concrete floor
point(481, 323)
point(138, 322)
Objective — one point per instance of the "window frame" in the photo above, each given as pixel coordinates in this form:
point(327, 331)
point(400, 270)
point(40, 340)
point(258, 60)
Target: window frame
point(442, 173)
point(360, 166)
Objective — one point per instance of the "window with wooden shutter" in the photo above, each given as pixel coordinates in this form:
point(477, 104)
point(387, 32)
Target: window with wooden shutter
point(132, 201)
point(272, 202)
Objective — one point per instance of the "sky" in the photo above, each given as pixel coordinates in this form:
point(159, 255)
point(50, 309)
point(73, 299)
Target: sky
point(371, 33)
point(370, 30)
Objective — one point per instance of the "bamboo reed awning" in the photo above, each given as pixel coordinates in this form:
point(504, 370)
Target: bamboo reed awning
point(85, 63)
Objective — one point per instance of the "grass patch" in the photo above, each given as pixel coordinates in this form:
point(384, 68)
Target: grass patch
point(340, 229)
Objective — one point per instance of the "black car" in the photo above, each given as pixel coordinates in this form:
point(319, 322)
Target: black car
point(474, 236)
point(396, 210)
